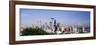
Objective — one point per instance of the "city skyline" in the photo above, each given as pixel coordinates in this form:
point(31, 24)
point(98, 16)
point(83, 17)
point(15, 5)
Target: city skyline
point(32, 16)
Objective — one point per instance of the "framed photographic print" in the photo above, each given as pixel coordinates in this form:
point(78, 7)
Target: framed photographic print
point(38, 22)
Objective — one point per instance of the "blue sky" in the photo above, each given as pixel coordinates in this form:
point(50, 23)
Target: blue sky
point(31, 16)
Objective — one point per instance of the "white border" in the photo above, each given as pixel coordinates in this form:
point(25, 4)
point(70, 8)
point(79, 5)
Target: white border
point(20, 38)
